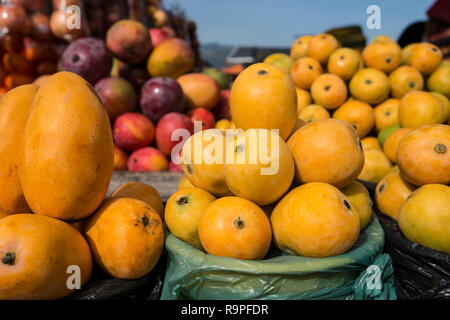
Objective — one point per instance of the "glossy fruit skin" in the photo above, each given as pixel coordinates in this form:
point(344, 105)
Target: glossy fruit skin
point(159, 96)
point(118, 96)
point(263, 96)
point(143, 192)
point(370, 85)
point(303, 99)
point(424, 218)
point(44, 248)
point(171, 58)
point(376, 166)
point(423, 155)
point(322, 46)
point(236, 228)
point(315, 220)
point(300, 47)
point(313, 112)
point(391, 192)
point(370, 143)
point(419, 108)
point(439, 81)
point(386, 114)
point(280, 60)
point(174, 167)
point(129, 41)
point(406, 51)
point(166, 126)
point(357, 113)
point(203, 115)
point(359, 197)
point(446, 102)
point(183, 211)
point(304, 71)
point(15, 107)
point(390, 146)
point(87, 57)
point(224, 125)
point(158, 35)
point(68, 151)
point(126, 237)
point(386, 132)
point(259, 182)
point(329, 91)
point(425, 57)
point(185, 183)
point(344, 62)
point(133, 131)
point(120, 159)
point(206, 174)
point(327, 151)
point(200, 90)
point(147, 160)
point(405, 79)
point(384, 56)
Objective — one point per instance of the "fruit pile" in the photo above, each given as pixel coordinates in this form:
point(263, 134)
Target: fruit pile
point(56, 162)
point(145, 87)
point(340, 115)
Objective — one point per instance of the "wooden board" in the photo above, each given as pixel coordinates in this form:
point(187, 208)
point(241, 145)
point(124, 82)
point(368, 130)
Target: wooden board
point(165, 182)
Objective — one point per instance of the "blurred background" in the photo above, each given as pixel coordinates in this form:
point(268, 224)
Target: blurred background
point(224, 25)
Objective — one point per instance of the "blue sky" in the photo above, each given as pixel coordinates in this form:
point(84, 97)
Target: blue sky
point(276, 22)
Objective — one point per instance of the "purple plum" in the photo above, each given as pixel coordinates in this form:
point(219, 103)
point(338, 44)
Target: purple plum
point(87, 57)
point(160, 96)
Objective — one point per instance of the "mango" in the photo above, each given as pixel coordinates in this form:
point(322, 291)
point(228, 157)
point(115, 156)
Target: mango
point(263, 96)
point(68, 151)
point(14, 109)
point(424, 218)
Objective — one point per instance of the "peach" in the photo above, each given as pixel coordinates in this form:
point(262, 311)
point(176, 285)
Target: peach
point(165, 127)
point(120, 159)
point(147, 159)
point(133, 131)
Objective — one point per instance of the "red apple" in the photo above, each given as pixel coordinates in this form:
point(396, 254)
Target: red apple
point(133, 131)
point(120, 159)
point(203, 115)
point(222, 110)
point(158, 35)
point(147, 159)
point(168, 124)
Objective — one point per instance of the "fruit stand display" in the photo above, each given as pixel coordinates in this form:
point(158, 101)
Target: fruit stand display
point(146, 175)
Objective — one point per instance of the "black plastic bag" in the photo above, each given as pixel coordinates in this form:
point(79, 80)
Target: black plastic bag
point(420, 273)
point(104, 287)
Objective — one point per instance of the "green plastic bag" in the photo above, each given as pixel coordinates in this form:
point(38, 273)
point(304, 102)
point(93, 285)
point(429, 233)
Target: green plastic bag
point(362, 273)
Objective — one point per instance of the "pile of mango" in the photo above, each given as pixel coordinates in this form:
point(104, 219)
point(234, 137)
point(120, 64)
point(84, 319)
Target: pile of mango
point(340, 116)
point(56, 162)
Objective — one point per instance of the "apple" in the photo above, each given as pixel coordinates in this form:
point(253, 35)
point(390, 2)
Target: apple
point(133, 131)
point(167, 125)
point(203, 115)
point(161, 95)
point(147, 159)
